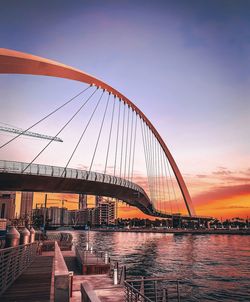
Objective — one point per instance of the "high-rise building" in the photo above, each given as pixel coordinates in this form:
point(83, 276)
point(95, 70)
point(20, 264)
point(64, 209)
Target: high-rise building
point(58, 216)
point(94, 216)
point(26, 204)
point(98, 199)
point(7, 204)
point(54, 215)
point(82, 201)
point(106, 212)
point(103, 214)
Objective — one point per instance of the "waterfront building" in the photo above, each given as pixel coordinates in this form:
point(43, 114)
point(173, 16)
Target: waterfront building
point(54, 215)
point(82, 216)
point(94, 216)
point(7, 204)
point(98, 199)
point(26, 204)
point(58, 216)
point(72, 217)
point(64, 216)
point(106, 212)
point(82, 201)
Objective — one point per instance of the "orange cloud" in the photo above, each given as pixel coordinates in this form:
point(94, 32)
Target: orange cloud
point(221, 193)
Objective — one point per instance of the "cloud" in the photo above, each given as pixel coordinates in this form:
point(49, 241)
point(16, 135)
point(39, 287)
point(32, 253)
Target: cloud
point(201, 176)
point(222, 172)
point(237, 179)
point(222, 168)
point(246, 172)
point(232, 176)
point(232, 207)
point(222, 192)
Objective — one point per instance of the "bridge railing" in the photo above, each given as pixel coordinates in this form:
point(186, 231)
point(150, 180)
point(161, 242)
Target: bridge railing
point(46, 170)
point(13, 261)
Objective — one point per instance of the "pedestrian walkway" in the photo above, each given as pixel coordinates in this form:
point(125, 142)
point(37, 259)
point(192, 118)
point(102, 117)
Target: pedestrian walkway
point(34, 284)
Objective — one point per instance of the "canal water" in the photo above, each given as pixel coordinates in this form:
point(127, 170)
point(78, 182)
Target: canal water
point(212, 267)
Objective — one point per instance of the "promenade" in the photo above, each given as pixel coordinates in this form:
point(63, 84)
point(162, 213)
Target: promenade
point(64, 274)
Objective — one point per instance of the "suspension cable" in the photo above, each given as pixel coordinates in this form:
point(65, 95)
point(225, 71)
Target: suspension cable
point(148, 159)
point(160, 176)
point(60, 131)
point(130, 145)
point(146, 131)
point(80, 139)
point(165, 168)
point(110, 132)
point(146, 155)
point(122, 138)
point(153, 163)
point(117, 135)
point(48, 115)
point(173, 187)
point(126, 144)
point(100, 131)
point(162, 181)
point(156, 174)
point(133, 158)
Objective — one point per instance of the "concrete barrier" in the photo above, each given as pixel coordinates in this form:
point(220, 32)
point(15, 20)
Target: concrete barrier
point(88, 295)
point(62, 277)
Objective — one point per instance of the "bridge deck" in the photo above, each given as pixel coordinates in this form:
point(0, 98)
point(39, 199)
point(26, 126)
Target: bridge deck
point(34, 284)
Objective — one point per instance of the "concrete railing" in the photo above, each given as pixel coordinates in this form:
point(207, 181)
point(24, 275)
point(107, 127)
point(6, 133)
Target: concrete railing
point(88, 294)
point(62, 277)
point(13, 261)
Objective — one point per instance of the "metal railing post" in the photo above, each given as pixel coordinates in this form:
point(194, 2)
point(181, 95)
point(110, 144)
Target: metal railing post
point(165, 295)
point(178, 291)
point(155, 288)
point(115, 277)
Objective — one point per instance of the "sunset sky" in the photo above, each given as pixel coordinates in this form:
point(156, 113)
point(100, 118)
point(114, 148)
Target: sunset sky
point(185, 64)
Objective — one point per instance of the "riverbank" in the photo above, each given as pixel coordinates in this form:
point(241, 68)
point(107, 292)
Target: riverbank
point(178, 231)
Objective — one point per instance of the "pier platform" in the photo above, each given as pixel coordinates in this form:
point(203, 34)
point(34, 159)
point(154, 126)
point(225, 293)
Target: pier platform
point(47, 278)
point(99, 287)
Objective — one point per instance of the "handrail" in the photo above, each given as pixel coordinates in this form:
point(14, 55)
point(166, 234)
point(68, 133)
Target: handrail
point(132, 294)
point(83, 255)
point(54, 171)
point(13, 261)
point(155, 289)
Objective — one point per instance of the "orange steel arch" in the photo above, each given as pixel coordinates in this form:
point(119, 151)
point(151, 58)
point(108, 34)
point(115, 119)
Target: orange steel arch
point(15, 62)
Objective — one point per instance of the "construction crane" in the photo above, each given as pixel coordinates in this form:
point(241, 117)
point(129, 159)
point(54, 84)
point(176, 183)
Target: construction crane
point(29, 133)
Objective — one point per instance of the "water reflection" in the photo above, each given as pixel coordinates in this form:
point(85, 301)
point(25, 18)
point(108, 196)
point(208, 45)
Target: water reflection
point(217, 267)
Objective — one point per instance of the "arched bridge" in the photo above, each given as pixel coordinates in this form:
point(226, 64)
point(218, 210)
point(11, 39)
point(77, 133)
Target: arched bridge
point(163, 175)
point(44, 178)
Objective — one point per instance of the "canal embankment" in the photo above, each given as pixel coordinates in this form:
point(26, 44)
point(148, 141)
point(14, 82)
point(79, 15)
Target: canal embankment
point(178, 231)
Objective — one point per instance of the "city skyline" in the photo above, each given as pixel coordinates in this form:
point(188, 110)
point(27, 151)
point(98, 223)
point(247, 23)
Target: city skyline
point(190, 60)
